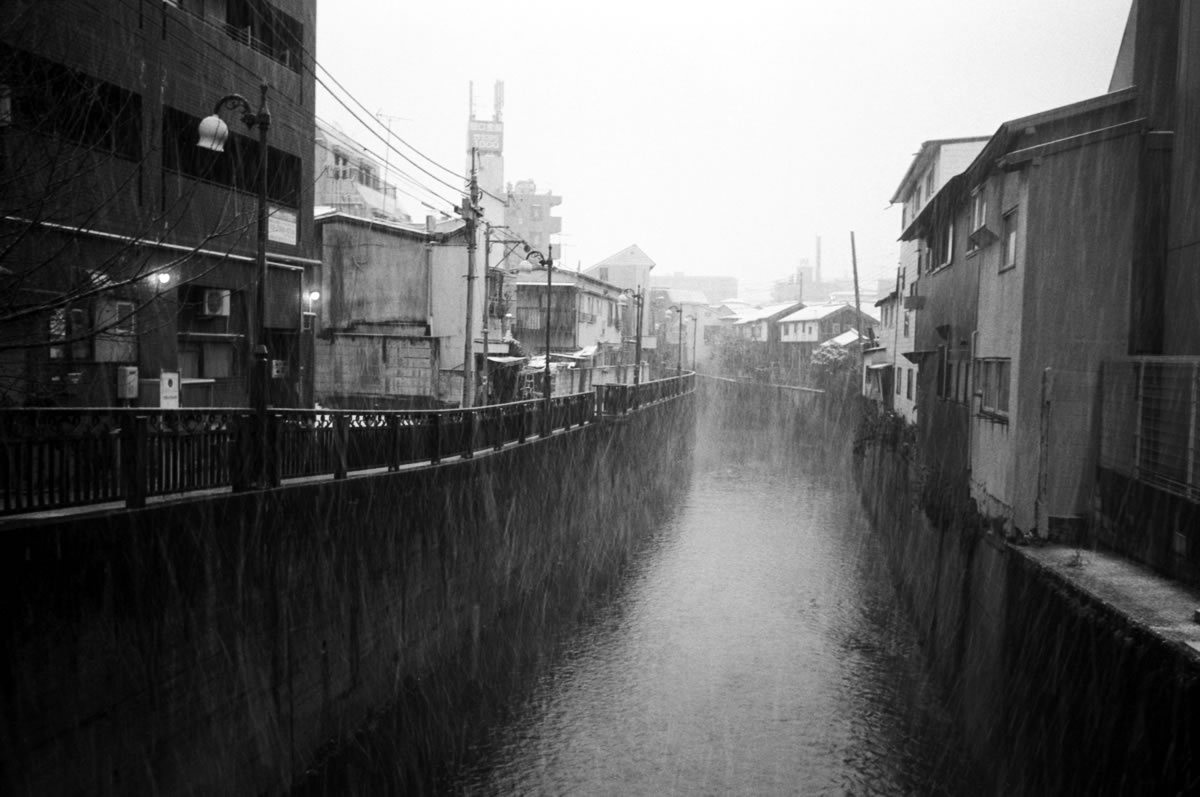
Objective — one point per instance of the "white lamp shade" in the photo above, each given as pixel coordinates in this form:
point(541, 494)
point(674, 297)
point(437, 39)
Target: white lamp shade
point(213, 133)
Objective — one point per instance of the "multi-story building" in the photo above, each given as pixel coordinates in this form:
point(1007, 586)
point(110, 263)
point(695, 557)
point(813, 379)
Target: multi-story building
point(1036, 254)
point(125, 245)
point(934, 164)
point(351, 180)
point(584, 313)
point(803, 330)
point(528, 215)
point(629, 270)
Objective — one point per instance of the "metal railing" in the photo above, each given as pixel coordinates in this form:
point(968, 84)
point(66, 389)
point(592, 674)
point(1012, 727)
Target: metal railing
point(1149, 422)
point(60, 458)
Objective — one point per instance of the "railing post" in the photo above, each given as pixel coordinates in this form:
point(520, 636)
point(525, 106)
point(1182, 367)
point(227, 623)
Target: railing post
point(435, 435)
point(393, 442)
point(134, 433)
point(275, 448)
point(340, 444)
point(522, 422)
point(470, 442)
point(500, 429)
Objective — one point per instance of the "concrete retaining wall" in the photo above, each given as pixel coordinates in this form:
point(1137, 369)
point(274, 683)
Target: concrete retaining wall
point(221, 645)
point(1055, 691)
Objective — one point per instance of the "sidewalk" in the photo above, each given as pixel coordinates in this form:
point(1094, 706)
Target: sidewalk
point(1165, 608)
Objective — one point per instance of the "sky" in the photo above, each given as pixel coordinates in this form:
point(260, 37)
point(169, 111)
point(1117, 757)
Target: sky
point(723, 139)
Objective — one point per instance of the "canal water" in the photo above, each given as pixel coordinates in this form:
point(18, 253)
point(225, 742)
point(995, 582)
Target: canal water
point(755, 646)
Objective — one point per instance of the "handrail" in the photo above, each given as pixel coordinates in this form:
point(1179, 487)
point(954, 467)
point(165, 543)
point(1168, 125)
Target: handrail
point(55, 458)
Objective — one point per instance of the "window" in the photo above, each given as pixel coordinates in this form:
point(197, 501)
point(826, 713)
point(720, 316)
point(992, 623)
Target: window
point(899, 383)
point(929, 183)
point(236, 167)
point(906, 323)
point(992, 380)
point(206, 360)
point(978, 210)
point(260, 25)
point(1009, 257)
point(942, 249)
point(342, 170)
point(49, 99)
point(908, 390)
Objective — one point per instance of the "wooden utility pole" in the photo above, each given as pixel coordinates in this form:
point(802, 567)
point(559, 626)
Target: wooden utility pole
point(862, 355)
point(470, 213)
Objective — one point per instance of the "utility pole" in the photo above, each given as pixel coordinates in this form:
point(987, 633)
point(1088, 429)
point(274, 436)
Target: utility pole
point(470, 213)
point(862, 355)
point(487, 307)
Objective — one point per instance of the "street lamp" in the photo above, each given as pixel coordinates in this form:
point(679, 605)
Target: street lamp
point(695, 328)
point(213, 133)
point(547, 261)
point(678, 308)
point(639, 298)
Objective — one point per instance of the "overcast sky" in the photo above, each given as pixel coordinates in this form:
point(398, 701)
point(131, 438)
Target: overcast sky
point(721, 140)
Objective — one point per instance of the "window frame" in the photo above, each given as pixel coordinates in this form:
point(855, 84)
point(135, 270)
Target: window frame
point(993, 385)
point(1009, 237)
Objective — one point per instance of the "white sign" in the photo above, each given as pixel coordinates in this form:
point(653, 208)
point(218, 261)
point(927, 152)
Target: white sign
point(168, 390)
point(281, 225)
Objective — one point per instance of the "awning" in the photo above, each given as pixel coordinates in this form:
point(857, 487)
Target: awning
point(502, 360)
point(916, 357)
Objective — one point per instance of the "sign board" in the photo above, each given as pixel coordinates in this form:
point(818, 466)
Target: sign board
point(168, 390)
point(281, 225)
point(485, 136)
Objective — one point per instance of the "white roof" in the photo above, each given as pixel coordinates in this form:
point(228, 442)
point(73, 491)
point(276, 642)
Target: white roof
point(845, 339)
point(814, 312)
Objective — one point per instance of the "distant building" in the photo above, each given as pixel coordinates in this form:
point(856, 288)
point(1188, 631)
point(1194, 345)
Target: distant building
point(714, 288)
point(528, 215)
point(351, 180)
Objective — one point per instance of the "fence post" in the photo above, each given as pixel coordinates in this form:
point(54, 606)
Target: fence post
point(499, 426)
point(133, 459)
point(470, 422)
point(339, 446)
point(393, 442)
point(275, 448)
point(522, 422)
point(435, 435)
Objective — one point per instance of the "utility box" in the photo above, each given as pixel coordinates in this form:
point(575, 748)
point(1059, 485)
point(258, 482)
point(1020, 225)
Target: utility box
point(279, 369)
point(127, 382)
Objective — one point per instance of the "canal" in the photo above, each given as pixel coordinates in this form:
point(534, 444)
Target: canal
point(755, 645)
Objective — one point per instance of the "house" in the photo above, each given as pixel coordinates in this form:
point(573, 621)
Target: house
point(755, 344)
point(629, 270)
point(802, 330)
point(879, 370)
point(931, 168)
point(1030, 260)
point(584, 313)
point(129, 251)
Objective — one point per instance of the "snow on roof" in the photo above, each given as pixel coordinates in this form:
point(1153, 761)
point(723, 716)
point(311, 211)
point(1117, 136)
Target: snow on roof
point(850, 336)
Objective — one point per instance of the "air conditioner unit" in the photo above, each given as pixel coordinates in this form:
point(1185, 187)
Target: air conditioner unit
point(216, 302)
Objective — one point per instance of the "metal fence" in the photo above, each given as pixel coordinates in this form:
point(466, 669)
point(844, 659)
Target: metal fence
point(60, 458)
point(1149, 422)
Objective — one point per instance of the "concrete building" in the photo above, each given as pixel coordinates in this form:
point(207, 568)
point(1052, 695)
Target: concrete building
point(126, 245)
point(629, 270)
point(386, 321)
point(528, 215)
point(352, 180)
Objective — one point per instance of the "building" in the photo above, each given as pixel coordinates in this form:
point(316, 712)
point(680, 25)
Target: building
point(1028, 287)
point(130, 252)
point(880, 374)
point(931, 168)
point(714, 288)
point(804, 329)
point(352, 180)
point(583, 313)
point(528, 215)
point(629, 270)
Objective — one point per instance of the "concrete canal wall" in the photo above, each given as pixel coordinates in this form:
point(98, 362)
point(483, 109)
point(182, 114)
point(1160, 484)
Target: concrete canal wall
point(1057, 688)
point(221, 645)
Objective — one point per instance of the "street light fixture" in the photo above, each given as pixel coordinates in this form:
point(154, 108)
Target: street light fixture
point(213, 133)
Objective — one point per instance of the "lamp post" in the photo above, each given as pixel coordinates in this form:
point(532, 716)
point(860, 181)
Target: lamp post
point(639, 299)
point(213, 133)
point(678, 309)
point(695, 328)
point(548, 262)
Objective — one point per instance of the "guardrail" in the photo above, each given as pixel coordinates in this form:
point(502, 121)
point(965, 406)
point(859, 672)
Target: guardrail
point(53, 458)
